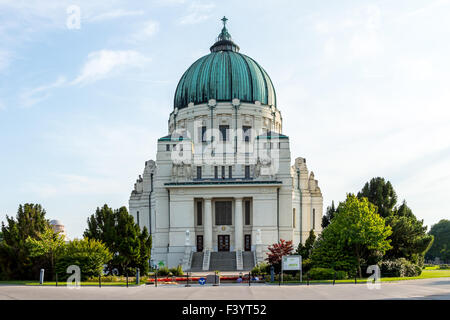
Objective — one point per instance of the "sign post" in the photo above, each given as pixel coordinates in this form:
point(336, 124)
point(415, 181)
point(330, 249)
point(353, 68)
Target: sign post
point(293, 262)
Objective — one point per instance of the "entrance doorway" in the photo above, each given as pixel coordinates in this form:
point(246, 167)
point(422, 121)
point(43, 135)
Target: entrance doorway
point(223, 242)
point(199, 243)
point(248, 242)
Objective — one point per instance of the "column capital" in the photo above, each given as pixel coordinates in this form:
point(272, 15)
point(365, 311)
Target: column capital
point(207, 198)
point(239, 198)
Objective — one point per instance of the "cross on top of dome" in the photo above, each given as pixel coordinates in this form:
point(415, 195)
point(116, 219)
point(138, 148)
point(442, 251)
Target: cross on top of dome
point(224, 41)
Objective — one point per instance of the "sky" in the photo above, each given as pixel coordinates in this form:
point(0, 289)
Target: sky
point(363, 88)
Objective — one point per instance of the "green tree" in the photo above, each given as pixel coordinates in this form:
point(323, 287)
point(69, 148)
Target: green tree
point(330, 213)
point(305, 250)
point(409, 237)
point(357, 229)
point(48, 245)
point(123, 237)
point(15, 261)
point(88, 254)
point(381, 194)
point(441, 245)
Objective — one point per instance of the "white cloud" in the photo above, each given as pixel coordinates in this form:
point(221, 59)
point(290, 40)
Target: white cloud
point(31, 97)
point(104, 63)
point(145, 31)
point(197, 12)
point(119, 13)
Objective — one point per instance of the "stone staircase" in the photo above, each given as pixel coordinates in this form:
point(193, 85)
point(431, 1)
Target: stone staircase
point(249, 261)
point(222, 261)
point(197, 262)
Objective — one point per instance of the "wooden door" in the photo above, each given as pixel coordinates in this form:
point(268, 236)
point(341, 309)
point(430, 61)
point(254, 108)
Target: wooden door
point(223, 242)
point(248, 242)
point(199, 243)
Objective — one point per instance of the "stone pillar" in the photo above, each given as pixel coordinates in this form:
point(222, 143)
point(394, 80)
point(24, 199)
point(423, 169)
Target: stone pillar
point(238, 227)
point(208, 225)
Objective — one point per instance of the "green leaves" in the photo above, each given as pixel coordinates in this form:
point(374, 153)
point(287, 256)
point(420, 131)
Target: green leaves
point(15, 260)
point(441, 245)
point(117, 229)
point(355, 232)
point(89, 254)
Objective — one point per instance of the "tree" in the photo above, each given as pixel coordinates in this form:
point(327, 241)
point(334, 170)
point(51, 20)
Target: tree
point(381, 194)
point(277, 251)
point(122, 236)
point(357, 229)
point(305, 250)
point(88, 254)
point(326, 219)
point(409, 237)
point(48, 245)
point(15, 261)
point(441, 245)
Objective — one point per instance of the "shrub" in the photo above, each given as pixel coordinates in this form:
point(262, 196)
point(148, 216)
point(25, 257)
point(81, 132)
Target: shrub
point(88, 254)
point(326, 274)
point(163, 271)
point(444, 266)
point(177, 271)
point(306, 265)
point(399, 268)
point(261, 268)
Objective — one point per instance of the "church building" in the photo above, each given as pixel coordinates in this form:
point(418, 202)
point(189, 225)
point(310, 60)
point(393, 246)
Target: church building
point(223, 186)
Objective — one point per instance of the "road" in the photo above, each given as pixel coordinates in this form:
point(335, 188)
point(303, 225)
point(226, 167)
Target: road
point(438, 288)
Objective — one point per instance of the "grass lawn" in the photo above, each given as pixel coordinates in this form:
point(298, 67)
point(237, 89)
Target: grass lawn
point(426, 274)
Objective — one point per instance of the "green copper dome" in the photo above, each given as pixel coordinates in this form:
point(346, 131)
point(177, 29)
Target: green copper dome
point(223, 75)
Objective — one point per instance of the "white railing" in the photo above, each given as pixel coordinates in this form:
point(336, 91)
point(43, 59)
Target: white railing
point(239, 260)
point(206, 258)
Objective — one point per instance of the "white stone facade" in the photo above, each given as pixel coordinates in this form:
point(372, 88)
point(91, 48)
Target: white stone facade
point(269, 198)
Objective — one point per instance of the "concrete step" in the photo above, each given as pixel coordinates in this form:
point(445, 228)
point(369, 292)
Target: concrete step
point(249, 261)
point(197, 261)
point(223, 261)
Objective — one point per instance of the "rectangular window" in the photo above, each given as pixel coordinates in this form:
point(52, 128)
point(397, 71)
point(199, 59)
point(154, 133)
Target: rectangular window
point(246, 133)
point(293, 218)
point(199, 172)
point(247, 212)
point(202, 134)
point(224, 132)
point(223, 172)
point(199, 213)
point(230, 172)
point(167, 147)
point(314, 219)
point(137, 218)
point(247, 172)
point(223, 213)
point(216, 172)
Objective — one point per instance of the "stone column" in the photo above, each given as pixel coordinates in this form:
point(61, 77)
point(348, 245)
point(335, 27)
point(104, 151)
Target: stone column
point(208, 225)
point(238, 227)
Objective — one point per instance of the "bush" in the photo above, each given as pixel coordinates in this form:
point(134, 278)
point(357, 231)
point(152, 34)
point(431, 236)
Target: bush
point(444, 267)
point(88, 254)
point(306, 265)
point(399, 268)
point(326, 274)
point(177, 271)
point(261, 268)
point(163, 271)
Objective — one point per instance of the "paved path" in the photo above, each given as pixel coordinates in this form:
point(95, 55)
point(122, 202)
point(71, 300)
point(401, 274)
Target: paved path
point(408, 289)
